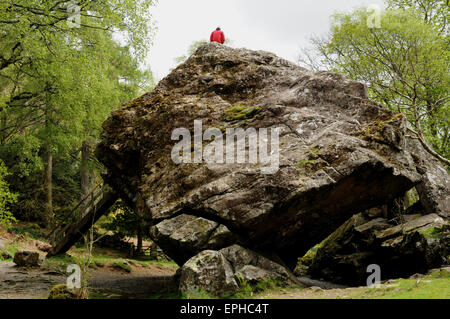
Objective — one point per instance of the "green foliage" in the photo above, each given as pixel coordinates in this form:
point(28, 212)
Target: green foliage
point(6, 198)
point(57, 86)
point(33, 233)
point(122, 221)
point(60, 263)
point(436, 12)
point(433, 286)
point(62, 292)
point(431, 232)
point(405, 63)
point(12, 248)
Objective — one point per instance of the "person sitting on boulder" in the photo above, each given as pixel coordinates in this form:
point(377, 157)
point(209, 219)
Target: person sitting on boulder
point(218, 36)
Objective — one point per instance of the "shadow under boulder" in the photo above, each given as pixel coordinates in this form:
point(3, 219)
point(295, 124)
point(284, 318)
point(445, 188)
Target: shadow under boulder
point(415, 246)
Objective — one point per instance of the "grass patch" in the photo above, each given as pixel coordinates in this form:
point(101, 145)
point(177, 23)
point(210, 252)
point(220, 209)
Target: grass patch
point(246, 291)
point(60, 263)
point(32, 232)
point(249, 291)
point(122, 266)
point(12, 249)
point(433, 286)
point(431, 232)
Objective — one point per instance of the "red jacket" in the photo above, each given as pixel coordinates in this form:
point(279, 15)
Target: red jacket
point(218, 36)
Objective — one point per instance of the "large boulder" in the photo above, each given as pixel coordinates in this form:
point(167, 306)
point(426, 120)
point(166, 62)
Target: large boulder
point(208, 271)
point(185, 236)
point(418, 244)
point(339, 154)
point(223, 272)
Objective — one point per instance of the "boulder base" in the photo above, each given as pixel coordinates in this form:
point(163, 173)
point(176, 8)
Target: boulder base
point(224, 272)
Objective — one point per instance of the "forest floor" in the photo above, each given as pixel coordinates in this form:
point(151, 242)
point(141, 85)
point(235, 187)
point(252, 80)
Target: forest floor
point(111, 275)
point(105, 283)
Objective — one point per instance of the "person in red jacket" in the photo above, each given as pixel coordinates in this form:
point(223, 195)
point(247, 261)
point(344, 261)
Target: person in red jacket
point(218, 36)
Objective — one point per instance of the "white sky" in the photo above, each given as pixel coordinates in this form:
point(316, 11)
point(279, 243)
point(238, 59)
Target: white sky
point(281, 26)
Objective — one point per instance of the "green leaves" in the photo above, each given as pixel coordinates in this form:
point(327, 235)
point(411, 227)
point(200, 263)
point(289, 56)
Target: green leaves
point(6, 198)
point(405, 64)
point(58, 83)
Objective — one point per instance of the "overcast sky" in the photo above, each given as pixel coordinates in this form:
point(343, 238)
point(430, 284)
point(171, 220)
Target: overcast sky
point(278, 26)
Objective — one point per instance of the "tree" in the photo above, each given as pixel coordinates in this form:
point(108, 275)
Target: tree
point(58, 83)
point(436, 12)
point(125, 223)
point(6, 198)
point(405, 64)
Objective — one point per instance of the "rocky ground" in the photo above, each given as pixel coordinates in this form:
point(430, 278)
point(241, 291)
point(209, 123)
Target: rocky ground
point(111, 274)
point(36, 283)
point(18, 283)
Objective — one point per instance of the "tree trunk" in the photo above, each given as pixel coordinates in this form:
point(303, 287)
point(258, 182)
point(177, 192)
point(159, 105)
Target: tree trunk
point(139, 242)
point(422, 139)
point(85, 183)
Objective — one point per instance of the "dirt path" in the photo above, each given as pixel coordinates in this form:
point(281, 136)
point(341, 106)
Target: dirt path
point(141, 283)
point(16, 283)
point(312, 293)
point(131, 286)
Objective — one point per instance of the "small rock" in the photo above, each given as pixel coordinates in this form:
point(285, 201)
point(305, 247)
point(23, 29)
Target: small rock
point(42, 246)
point(26, 259)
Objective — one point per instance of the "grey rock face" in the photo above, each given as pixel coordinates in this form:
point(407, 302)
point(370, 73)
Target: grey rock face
point(434, 187)
point(339, 154)
point(208, 271)
point(185, 236)
point(416, 246)
point(222, 272)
